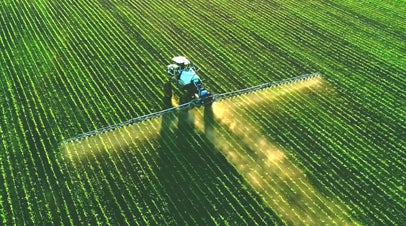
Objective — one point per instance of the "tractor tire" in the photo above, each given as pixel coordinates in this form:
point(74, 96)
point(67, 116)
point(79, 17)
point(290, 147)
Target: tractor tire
point(168, 90)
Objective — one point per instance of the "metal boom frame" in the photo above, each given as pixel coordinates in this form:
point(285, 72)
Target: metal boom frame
point(191, 104)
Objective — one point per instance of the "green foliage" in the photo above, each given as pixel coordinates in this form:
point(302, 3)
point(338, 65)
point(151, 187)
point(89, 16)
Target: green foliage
point(69, 67)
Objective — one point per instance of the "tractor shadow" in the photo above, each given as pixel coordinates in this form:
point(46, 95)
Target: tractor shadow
point(200, 186)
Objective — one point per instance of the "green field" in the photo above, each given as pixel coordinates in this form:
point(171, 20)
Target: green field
point(325, 151)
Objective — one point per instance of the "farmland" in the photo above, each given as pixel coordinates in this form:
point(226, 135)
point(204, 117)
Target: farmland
point(328, 150)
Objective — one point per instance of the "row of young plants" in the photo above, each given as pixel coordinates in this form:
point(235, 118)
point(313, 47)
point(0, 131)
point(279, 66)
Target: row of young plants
point(296, 183)
point(357, 148)
point(376, 98)
point(187, 174)
point(203, 51)
point(323, 46)
point(372, 133)
point(356, 27)
point(106, 215)
point(82, 42)
point(199, 189)
point(290, 135)
point(339, 168)
point(22, 161)
point(32, 145)
point(35, 127)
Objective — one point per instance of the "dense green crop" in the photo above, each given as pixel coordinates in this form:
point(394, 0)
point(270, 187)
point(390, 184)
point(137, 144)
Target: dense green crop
point(328, 150)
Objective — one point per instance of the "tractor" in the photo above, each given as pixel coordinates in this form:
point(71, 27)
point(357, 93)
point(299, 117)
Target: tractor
point(183, 75)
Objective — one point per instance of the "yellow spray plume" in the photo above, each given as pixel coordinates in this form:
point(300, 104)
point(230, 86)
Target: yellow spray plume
point(265, 166)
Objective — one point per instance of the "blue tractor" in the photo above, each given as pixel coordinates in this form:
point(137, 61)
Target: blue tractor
point(183, 74)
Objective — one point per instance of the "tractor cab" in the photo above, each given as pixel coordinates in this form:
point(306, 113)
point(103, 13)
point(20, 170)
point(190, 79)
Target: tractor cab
point(182, 71)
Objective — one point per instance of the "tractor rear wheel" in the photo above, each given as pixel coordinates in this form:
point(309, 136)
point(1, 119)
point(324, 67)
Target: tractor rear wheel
point(168, 89)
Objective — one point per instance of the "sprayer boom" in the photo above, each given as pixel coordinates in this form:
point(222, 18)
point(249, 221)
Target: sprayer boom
point(205, 101)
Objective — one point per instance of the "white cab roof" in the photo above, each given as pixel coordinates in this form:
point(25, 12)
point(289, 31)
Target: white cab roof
point(181, 60)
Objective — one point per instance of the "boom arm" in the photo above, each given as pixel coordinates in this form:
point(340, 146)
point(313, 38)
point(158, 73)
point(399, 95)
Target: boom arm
point(193, 103)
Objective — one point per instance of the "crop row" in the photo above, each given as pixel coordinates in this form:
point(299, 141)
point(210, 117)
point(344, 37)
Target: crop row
point(74, 66)
point(79, 82)
point(33, 128)
point(144, 156)
point(323, 45)
point(348, 157)
point(87, 177)
point(372, 97)
point(375, 159)
point(286, 169)
point(356, 27)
